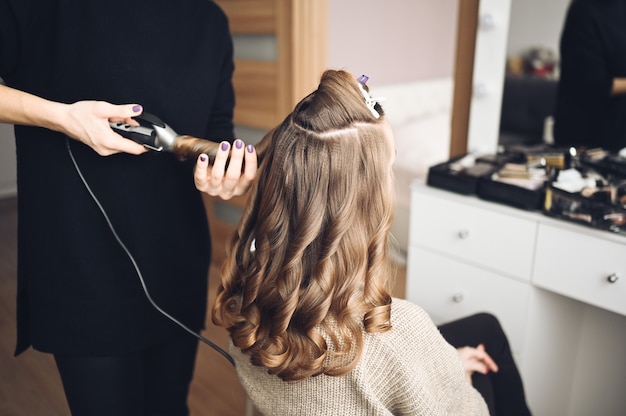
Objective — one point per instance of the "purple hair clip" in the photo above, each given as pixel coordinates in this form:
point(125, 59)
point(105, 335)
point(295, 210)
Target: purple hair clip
point(371, 102)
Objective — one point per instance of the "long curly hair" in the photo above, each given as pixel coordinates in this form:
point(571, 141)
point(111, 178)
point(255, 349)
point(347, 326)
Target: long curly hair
point(307, 269)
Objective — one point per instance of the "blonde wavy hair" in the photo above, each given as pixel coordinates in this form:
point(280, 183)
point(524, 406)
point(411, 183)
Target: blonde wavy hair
point(307, 269)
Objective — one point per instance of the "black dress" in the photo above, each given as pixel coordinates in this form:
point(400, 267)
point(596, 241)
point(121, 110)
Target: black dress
point(593, 52)
point(78, 292)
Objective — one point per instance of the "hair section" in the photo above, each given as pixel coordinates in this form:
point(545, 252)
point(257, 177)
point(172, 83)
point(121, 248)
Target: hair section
point(307, 270)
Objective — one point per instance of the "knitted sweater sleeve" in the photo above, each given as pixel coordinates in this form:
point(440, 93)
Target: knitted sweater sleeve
point(428, 377)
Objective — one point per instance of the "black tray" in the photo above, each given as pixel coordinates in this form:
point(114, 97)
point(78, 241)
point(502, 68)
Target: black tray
point(463, 181)
point(509, 194)
point(575, 207)
point(610, 165)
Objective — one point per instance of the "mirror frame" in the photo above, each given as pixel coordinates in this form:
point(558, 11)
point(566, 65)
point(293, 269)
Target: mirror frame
point(482, 35)
point(467, 26)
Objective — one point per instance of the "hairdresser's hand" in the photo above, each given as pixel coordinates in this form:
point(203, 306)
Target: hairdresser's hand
point(476, 360)
point(88, 122)
point(217, 180)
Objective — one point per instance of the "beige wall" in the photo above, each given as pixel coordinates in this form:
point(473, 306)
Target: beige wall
point(393, 41)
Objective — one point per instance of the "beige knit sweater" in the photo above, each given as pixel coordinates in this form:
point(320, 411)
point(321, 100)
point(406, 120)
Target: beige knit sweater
point(409, 370)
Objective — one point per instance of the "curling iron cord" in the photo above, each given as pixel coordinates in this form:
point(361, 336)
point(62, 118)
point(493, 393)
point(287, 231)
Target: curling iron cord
point(132, 259)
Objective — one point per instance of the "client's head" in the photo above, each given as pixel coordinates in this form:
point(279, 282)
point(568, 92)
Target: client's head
point(307, 269)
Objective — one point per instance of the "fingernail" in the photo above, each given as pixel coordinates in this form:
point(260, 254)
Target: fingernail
point(137, 108)
point(250, 148)
point(238, 144)
point(202, 158)
point(225, 146)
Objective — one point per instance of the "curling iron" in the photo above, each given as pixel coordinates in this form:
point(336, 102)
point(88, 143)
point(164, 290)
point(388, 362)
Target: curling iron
point(155, 135)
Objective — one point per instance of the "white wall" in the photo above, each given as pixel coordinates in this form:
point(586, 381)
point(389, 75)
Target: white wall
point(393, 41)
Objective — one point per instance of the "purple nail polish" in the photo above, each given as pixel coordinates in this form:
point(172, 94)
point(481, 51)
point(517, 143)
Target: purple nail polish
point(238, 144)
point(250, 148)
point(137, 109)
point(362, 79)
point(202, 158)
point(225, 146)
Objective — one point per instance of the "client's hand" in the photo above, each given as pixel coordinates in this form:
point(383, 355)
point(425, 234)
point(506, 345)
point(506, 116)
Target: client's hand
point(217, 180)
point(476, 359)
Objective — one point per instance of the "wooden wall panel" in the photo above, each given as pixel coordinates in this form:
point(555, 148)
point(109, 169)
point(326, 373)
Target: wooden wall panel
point(266, 92)
point(251, 17)
point(257, 93)
point(308, 43)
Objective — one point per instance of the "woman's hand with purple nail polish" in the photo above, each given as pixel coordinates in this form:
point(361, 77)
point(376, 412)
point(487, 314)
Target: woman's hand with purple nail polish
point(227, 180)
point(88, 122)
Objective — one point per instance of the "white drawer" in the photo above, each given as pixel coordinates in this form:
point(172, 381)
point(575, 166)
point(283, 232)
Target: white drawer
point(449, 290)
point(485, 237)
point(581, 266)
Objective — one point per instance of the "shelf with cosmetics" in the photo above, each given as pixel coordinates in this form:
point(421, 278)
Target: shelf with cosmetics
point(585, 186)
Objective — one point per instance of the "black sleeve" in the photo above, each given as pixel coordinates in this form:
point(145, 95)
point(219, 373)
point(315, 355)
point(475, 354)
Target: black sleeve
point(582, 48)
point(8, 38)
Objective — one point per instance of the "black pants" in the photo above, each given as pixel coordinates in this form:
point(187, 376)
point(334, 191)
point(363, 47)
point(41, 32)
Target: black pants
point(503, 391)
point(150, 382)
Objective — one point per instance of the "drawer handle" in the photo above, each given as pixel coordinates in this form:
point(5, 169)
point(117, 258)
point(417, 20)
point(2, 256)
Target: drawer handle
point(463, 234)
point(458, 298)
point(613, 278)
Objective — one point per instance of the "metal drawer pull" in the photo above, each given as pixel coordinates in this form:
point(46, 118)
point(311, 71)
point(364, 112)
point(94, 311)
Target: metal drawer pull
point(463, 234)
point(457, 298)
point(613, 278)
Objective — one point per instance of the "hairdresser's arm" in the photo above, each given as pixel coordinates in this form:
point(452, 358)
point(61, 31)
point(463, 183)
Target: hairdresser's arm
point(619, 86)
point(86, 121)
point(217, 180)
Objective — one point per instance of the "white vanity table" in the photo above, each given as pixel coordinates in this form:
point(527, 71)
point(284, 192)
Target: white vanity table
point(558, 288)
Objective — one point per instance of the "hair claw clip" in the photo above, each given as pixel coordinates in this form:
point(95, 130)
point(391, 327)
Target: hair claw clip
point(362, 79)
point(369, 101)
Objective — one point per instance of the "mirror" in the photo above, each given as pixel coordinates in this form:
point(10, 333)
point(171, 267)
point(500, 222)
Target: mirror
point(495, 82)
point(531, 71)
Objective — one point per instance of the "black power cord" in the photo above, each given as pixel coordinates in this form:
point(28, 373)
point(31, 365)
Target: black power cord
point(132, 259)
